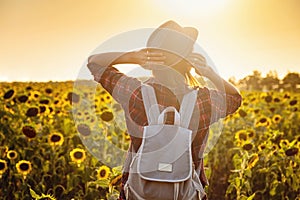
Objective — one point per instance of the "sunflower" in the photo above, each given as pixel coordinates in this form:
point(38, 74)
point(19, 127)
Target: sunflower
point(12, 154)
point(24, 167)
point(56, 139)
point(108, 98)
point(276, 119)
point(293, 164)
point(274, 147)
point(35, 94)
point(252, 160)
point(268, 98)
point(103, 172)
point(126, 136)
point(241, 135)
point(283, 143)
point(3, 167)
point(263, 121)
point(261, 147)
point(78, 156)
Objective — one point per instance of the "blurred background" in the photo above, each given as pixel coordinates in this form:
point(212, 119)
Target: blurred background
point(51, 39)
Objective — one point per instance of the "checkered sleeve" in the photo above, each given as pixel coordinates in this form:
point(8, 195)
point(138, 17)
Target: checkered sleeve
point(214, 104)
point(120, 86)
point(223, 104)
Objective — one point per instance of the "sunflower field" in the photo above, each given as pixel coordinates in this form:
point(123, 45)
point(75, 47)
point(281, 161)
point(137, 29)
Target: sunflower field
point(58, 141)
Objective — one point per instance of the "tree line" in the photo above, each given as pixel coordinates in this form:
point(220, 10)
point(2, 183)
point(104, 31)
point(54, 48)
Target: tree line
point(270, 82)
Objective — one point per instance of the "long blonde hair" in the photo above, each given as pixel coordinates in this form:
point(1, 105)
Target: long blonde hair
point(185, 68)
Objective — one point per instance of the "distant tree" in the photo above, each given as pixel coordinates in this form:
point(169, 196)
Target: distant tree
point(290, 81)
point(252, 82)
point(232, 80)
point(271, 81)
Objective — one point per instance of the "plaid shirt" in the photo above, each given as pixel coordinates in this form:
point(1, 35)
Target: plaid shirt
point(211, 105)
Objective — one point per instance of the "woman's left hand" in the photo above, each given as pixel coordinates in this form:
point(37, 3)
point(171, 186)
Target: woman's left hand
point(200, 65)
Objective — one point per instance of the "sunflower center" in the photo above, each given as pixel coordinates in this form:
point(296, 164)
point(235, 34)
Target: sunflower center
point(247, 147)
point(24, 166)
point(263, 120)
point(276, 100)
point(293, 102)
point(107, 116)
point(78, 155)
point(29, 131)
point(55, 138)
point(31, 112)
point(9, 94)
point(262, 147)
point(242, 113)
point(2, 165)
point(102, 173)
point(292, 151)
point(268, 99)
point(12, 154)
point(84, 129)
point(23, 98)
point(251, 134)
point(242, 136)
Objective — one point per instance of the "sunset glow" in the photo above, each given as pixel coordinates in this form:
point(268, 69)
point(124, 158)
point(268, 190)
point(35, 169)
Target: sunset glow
point(51, 40)
point(192, 8)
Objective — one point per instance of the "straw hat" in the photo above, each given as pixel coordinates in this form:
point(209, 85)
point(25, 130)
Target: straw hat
point(173, 38)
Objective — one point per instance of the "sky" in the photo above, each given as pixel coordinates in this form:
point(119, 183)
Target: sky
point(43, 40)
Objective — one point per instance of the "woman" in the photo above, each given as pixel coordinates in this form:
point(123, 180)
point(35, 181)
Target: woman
point(169, 54)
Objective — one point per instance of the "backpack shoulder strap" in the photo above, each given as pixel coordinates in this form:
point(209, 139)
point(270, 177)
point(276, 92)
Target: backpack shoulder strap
point(150, 104)
point(187, 108)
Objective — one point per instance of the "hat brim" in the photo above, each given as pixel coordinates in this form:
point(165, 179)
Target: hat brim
point(173, 38)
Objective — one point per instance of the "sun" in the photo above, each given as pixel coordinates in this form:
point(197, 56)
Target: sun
point(190, 8)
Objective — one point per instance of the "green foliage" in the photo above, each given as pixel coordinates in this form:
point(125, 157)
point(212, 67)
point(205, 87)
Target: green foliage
point(47, 142)
point(37, 197)
point(263, 141)
point(43, 151)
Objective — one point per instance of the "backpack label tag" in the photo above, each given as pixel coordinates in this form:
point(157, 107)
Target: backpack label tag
point(165, 167)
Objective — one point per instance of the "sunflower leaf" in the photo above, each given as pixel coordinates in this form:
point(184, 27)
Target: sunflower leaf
point(104, 183)
point(34, 194)
point(116, 170)
point(251, 197)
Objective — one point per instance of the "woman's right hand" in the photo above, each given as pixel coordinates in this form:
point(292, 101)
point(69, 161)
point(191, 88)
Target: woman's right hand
point(148, 58)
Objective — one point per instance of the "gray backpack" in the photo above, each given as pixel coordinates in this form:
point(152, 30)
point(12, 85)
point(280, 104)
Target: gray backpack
point(163, 169)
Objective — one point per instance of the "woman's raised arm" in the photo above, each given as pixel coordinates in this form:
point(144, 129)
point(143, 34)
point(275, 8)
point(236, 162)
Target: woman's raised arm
point(141, 57)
